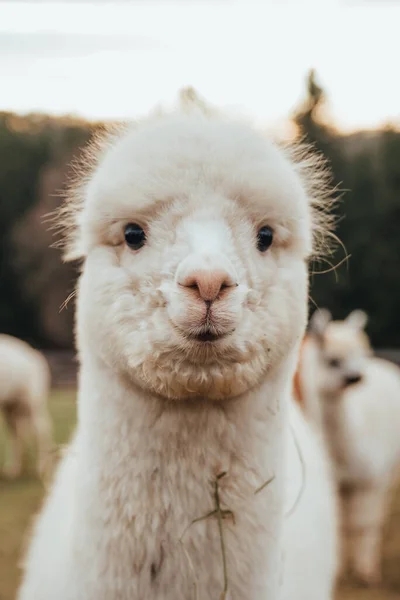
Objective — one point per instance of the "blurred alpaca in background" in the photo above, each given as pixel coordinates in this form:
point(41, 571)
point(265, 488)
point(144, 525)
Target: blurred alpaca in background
point(353, 398)
point(24, 388)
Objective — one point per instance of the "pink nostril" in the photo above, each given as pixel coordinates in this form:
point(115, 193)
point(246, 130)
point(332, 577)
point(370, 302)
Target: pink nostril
point(209, 284)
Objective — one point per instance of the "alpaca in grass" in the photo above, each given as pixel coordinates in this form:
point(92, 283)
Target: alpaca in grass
point(354, 398)
point(24, 388)
point(192, 473)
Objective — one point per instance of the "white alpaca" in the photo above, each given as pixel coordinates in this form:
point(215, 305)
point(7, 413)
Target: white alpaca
point(191, 305)
point(355, 398)
point(24, 387)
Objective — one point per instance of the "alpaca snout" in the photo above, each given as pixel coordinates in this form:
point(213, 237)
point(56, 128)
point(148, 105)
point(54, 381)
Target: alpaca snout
point(206, 278)
point(208, 285)
point(208, 300)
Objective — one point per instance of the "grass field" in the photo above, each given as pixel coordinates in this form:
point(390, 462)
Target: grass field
point(20, 499)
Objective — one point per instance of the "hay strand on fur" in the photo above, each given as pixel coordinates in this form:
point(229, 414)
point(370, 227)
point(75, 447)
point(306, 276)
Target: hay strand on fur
point(224, 595)
point(303, 474)
point(221, 514)
point(264, 485)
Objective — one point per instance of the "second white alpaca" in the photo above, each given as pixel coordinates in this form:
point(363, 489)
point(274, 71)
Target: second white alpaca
point(354, 398)
point(192, 474)
point(24, 389)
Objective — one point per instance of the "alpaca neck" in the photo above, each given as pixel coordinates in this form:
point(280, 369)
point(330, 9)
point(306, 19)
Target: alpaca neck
point(184, 428)
point(334, 423)
point(163, 460)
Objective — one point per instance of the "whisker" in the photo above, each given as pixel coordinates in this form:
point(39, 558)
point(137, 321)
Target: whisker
point(64, 305)
point(333, 267)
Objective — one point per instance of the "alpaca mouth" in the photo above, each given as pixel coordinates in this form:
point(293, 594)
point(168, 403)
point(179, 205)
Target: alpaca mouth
point(203, 334)
point(207, 336)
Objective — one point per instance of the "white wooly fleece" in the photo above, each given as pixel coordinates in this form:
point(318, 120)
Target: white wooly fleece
point(360, 423)
point(25, 381)
point(133, 511)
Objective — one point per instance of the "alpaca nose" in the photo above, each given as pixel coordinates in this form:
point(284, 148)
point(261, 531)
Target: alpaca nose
point(353, 379)
point(208, 284)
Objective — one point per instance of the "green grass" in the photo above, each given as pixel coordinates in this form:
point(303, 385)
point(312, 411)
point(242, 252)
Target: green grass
point(20, 500)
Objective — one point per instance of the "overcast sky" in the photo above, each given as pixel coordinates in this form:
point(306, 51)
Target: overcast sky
point(119, 59)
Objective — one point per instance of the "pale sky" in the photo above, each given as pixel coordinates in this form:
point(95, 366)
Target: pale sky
point(106, 60)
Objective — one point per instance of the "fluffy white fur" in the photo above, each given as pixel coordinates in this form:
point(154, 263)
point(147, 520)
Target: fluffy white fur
point(25, 380)
point(355, 398)
point(161, 414)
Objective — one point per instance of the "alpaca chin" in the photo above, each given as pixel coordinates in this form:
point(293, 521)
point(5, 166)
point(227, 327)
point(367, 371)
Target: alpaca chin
point(216, 380)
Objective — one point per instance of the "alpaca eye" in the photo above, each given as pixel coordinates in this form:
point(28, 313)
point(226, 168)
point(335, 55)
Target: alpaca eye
point(334, 363)
point(135, 237)
point(265, 236)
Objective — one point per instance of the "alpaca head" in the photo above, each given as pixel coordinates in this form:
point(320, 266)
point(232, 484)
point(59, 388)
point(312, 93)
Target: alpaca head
point(343, 350)
point(195, 232)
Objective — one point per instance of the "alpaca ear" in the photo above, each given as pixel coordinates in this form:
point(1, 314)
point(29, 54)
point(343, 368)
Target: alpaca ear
point(319, 322)
point(191, 101)
point(73, 252)
point(357, 319)
point(70, 223)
